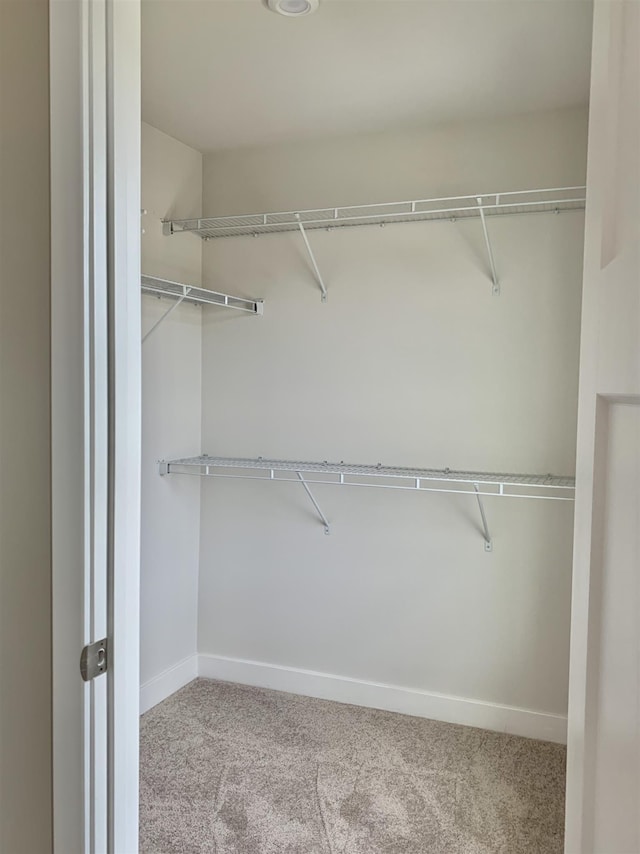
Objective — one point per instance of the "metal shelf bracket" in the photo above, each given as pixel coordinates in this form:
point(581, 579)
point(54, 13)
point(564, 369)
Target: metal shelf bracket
point(313, 260)
point(495, 290)
point(180, 300)
point(327, 528)
point(488, 542)
point(195, 295)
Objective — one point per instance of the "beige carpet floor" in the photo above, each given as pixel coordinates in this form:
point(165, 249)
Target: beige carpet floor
point(228, 769)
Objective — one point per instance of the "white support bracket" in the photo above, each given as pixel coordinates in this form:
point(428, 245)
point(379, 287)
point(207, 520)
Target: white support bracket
point(163, 468)
point(488, 542)
point(495, 290)
point(313, 260)
point(325, 522)
point(185, 293)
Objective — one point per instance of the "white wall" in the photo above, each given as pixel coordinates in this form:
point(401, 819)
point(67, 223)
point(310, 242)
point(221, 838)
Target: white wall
point(547, 149)
point(411, 361)
point(171, 413)
point(25, 431)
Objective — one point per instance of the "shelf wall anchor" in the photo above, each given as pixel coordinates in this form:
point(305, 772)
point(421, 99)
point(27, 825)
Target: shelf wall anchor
point(327, 528)
point(495, 290)
point(313, 260)
point(185, 294)
point(488, 542)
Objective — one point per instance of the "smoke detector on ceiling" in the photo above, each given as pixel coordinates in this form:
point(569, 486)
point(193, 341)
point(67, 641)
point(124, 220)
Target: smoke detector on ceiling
point(292, 8)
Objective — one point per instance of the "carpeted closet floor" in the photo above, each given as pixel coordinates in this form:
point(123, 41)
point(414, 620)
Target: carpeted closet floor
point(236, 770)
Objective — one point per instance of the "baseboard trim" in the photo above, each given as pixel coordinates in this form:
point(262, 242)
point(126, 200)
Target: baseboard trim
point(392, 698)
point(168, 682)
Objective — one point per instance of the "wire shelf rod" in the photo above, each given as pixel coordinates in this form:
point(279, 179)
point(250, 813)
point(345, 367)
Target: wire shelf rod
point(489, 483)
point(513, 201)
point(472, 199)
point(195, 294)
point(485, 493)
point(227, 228)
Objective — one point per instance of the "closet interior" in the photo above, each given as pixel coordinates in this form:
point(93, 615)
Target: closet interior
point(361, 285)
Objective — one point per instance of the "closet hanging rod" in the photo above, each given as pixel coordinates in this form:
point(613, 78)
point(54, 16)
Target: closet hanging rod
point(550, 200)
point(198, 295)
point(541, 486)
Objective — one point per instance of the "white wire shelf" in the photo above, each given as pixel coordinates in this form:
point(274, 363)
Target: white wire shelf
point(479, 484)
point(551, 200)
point(547, 486)
point(194, 294)
point(198, 295)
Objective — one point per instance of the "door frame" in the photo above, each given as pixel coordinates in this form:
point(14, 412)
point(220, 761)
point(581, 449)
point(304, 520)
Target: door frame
point(94, 63)
point(72, 144)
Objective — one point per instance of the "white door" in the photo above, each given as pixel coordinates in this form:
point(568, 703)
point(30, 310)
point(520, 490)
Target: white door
point(603, 779)
point(95, 337)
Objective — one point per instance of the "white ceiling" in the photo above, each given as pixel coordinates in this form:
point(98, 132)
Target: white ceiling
point(226, 73)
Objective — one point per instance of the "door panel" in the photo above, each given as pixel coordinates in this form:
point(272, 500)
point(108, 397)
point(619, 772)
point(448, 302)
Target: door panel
point(617, 710)
point(603, 762)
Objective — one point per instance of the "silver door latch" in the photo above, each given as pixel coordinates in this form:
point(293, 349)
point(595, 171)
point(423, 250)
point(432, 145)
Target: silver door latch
point(94, 659)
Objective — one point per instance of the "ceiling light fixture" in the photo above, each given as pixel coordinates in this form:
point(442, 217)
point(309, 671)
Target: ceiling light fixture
point(292, 8)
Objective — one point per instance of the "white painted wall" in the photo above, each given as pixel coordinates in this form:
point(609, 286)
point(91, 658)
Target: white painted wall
point(171, 413)
point(26, 821)
point(543, 149)
point(412, 361)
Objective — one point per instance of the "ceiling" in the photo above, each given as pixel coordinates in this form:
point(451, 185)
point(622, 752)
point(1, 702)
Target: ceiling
point(226, 73)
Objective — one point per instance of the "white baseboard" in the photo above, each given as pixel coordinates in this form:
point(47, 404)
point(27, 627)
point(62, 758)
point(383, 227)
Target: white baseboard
point(168, 682)
point(357, 692)
point(392, 698)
